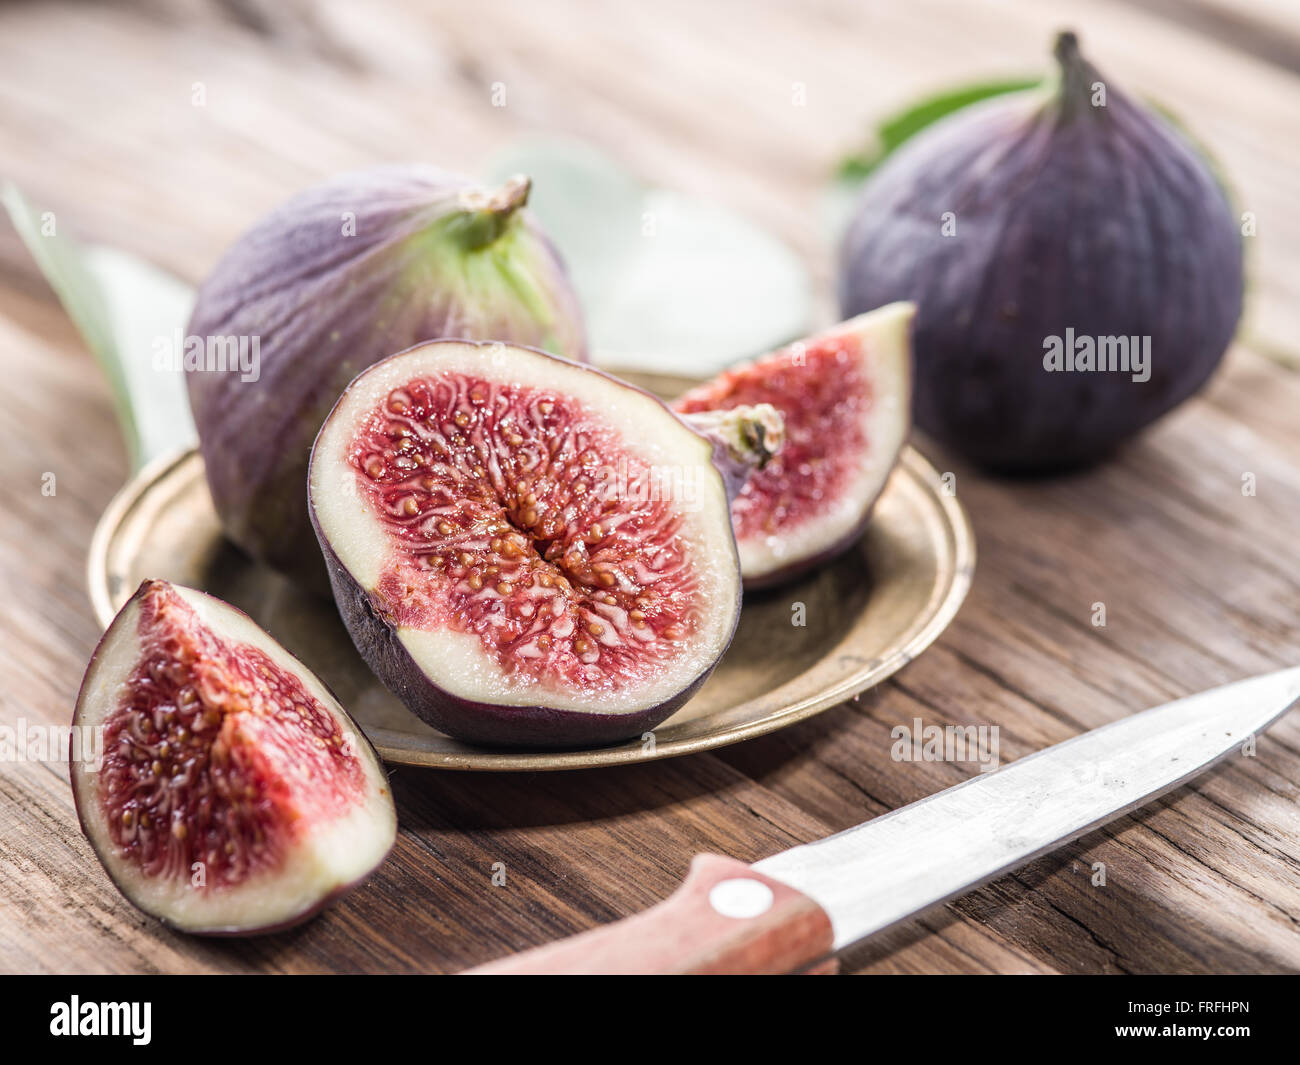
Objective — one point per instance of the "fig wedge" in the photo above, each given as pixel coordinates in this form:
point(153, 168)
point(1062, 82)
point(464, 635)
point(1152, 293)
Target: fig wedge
point(235, 795)
point(845, 396)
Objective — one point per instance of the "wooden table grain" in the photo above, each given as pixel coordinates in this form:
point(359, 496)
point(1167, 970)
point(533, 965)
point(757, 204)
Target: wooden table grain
point(1200, 582)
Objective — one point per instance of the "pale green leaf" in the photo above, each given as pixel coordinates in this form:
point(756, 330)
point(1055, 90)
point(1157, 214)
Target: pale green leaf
point(667, 283)
point(126, 310)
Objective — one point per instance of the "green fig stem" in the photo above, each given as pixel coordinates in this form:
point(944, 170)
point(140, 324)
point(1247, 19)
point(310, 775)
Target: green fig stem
point(486, 214)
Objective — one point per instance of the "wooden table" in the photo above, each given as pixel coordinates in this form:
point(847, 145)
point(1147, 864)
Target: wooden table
point(1201, 583)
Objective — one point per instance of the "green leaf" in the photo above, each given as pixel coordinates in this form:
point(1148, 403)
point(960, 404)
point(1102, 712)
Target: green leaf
point(667, 283)
point(124, 309)
point(901, 127)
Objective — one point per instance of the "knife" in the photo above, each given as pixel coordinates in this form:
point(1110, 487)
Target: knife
point(794, 911)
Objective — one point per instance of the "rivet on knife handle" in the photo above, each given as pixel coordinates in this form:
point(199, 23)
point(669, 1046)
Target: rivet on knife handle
point(724, 919)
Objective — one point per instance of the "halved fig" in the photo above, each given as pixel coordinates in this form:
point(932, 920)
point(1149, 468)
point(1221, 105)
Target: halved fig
point(528, 552)
point(235, 795)
point(846, 398)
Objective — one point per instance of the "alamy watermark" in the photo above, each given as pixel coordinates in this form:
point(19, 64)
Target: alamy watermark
point(655, 483)
point(919, 742)
point(211, 354)
point(1102, 354)
point(76, 1018)
point(28, 742)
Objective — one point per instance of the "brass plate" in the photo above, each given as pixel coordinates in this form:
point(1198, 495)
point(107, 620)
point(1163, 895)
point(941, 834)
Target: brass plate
point(865, 617)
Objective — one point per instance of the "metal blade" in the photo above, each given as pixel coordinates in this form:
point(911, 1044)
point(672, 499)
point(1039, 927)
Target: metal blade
point(878, 873)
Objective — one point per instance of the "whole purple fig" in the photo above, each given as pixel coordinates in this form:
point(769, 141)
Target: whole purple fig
point(334, 280)
point(1076, 265)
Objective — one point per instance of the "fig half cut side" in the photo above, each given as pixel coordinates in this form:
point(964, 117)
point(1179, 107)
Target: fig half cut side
point(845, 396)
point(234, 794)
point(526, 551)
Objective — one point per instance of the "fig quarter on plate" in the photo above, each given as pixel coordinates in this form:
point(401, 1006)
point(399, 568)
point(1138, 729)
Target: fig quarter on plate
point(846, 403)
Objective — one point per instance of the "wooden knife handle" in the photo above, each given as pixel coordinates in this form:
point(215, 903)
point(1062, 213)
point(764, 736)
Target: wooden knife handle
point(724, 919)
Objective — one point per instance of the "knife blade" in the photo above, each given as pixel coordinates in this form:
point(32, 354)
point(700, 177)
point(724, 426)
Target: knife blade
point(791, 911)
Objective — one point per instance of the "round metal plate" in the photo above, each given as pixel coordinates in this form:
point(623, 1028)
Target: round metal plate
point(798, 650)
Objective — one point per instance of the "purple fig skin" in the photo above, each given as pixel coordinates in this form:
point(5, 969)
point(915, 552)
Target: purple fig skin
point(358, 736)
point(1100, 219)
point(324, 305)
point(490, 724)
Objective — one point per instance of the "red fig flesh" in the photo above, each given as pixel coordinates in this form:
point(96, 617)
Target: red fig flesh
point(235, 794)
point(845, 397)
point(526, 551)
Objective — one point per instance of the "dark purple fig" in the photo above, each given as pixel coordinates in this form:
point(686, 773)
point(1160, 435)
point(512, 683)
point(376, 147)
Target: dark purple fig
point(526, 551)
point(337, 278)
point(235, 795)
point(1077, 266)
point(845, 397)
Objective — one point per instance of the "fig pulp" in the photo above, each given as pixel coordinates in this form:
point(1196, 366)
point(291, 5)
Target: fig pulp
point(235, 794)
point(337, 278)
point(526, 551)
point(845, 398)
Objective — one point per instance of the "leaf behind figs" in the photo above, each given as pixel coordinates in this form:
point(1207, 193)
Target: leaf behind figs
point(124, 309)
point(668, 283)
point(893, 131)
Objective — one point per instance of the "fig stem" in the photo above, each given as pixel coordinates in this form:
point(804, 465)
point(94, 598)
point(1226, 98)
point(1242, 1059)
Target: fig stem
point(487, 213)
point(749, 435)
point(1066, 48)
point(1074, 93)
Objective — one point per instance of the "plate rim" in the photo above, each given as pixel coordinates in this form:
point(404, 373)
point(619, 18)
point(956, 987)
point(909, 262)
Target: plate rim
point(941, 610)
